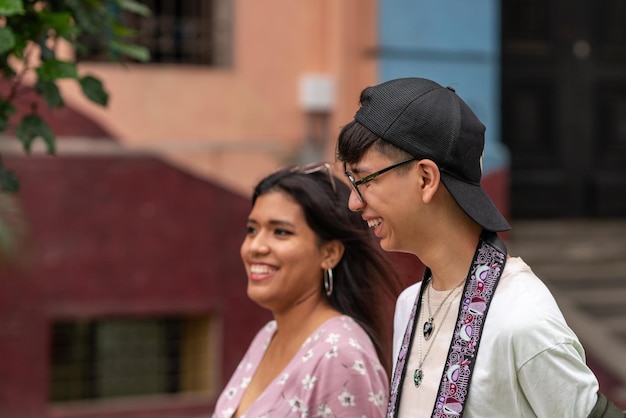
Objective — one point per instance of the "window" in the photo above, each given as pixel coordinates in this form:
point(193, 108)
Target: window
point(195, 32)
point(131, 357)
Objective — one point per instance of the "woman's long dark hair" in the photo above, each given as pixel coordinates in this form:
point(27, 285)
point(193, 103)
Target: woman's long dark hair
point(365, 282)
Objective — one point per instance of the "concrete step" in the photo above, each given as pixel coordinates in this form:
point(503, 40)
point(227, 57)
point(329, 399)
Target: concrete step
point(583, 262)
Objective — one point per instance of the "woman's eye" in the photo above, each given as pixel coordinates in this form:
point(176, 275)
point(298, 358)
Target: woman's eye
point(250, 230)
point(282, 232)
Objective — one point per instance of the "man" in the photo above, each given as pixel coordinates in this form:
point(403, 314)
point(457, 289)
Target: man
point(413, 155)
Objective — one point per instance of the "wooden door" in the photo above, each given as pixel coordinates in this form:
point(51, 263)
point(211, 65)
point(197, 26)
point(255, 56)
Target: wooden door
point(564, 106)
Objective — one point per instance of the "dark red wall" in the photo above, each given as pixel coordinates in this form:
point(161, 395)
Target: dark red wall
point(118, 236)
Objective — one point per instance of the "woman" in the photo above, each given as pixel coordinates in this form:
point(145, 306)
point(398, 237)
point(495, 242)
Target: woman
point(313, 264)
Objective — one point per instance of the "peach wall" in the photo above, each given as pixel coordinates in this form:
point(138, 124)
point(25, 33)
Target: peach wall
point(234, 125)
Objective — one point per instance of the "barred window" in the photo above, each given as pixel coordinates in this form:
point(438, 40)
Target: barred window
point(197, 32)
point(131, 357)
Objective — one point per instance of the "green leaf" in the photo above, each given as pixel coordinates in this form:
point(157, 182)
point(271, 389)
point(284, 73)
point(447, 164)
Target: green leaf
point(7, 39)
point(54, 69)
point(6, 110)
point(11, 7)
point(137, 52)
point(135, 7)
point(120, 31)
point(50, 92)
point(8, 181)
point(14, 230)
point(46, 53)
point(60, 22)
point(5, 68)
point(32, 127)
point(4, 123)
point(89, 16)
point(93, 90)
point(20, 46)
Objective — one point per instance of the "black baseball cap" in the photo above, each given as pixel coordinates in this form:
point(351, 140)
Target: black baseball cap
point(429, 121)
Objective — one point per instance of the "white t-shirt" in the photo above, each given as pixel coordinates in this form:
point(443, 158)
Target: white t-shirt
point(529, 363)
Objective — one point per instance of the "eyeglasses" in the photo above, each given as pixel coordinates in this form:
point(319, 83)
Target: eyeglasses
point(356, 183)
point(314, 168)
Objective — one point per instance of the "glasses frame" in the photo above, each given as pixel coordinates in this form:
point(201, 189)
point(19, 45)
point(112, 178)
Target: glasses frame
point(356, 183)
point(314, 168)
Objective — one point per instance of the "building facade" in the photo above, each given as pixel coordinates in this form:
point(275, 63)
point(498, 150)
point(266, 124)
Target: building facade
point(132, 261)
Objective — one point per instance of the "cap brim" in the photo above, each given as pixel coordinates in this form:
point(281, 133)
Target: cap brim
point(475, 202)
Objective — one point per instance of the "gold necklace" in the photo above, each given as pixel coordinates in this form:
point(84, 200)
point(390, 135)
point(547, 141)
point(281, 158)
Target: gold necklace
point(418, 373)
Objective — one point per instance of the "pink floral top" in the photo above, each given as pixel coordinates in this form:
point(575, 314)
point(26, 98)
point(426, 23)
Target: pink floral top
point(336, 373)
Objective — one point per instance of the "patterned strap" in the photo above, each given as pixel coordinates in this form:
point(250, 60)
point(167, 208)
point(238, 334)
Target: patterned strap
point(485, 271)
point(407, 342)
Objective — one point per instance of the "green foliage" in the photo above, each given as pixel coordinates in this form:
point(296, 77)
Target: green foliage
point(92, 88)
point(50, 92)
point(32, 127)
point(13, 229)
point(28, 42)
point(30, 32)
point(8, 182)
point(12, 222)
point(7, 40)
point(11, 7)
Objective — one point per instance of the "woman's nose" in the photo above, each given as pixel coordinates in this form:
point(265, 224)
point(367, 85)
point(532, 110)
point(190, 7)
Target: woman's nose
point(258, 245)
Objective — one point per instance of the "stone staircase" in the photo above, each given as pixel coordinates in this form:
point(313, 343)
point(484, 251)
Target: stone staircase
point(583, 262)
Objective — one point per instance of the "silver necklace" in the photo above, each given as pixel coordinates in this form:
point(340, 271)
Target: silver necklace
point(418, 373)
point(429, 325)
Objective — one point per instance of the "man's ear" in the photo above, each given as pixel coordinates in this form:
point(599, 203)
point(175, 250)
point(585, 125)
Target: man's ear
point(430, 179)
point(333, 251)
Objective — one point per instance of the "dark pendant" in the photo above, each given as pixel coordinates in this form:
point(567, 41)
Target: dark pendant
point(429, 327)
point(418, 376)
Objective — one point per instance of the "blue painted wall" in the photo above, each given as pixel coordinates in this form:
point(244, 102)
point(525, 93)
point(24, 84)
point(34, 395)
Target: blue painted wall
point(455, 43)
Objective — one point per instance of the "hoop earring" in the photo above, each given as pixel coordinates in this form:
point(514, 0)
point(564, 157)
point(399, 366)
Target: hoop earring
point(328, 281)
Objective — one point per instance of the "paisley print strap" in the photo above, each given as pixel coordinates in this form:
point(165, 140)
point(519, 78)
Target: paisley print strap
point(484, 274)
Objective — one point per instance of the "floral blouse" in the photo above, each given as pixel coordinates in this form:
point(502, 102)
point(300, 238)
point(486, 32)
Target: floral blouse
point(336, 373)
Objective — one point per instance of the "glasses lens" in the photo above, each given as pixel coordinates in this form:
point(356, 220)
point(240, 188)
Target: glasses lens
point(355, 187)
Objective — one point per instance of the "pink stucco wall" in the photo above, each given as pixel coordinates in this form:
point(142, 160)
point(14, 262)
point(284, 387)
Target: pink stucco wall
point(234, 125)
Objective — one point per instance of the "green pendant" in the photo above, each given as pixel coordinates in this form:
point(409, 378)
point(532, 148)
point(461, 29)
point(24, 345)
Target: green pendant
point(418, 376)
